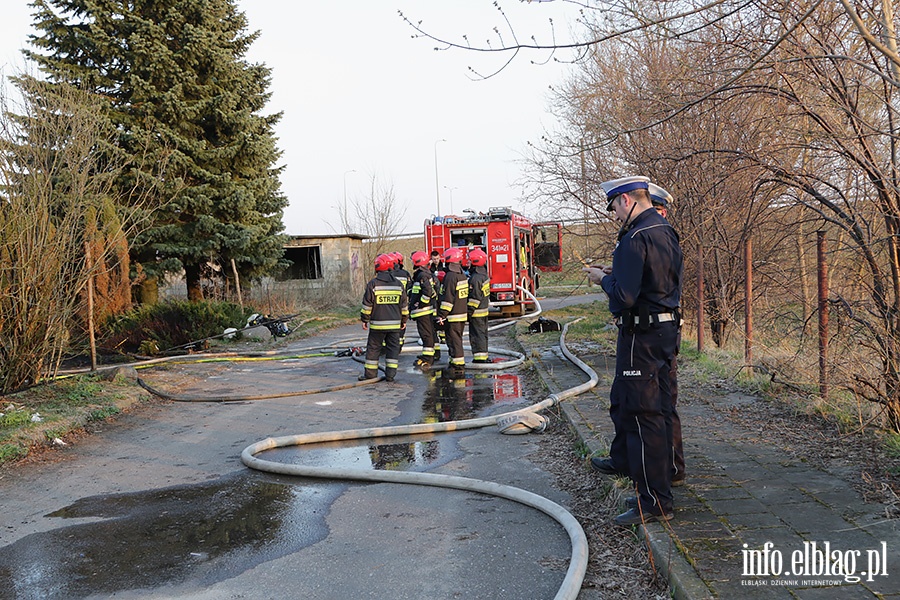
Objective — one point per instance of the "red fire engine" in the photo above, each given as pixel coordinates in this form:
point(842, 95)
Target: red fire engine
point(515, 246)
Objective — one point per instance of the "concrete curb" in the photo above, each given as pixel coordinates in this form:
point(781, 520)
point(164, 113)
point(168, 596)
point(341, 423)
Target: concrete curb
point(683, 580)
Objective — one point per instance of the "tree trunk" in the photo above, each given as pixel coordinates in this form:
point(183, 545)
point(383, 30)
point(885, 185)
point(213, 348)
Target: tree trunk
point(147, 291)
point(192, 279)
point(892, 394)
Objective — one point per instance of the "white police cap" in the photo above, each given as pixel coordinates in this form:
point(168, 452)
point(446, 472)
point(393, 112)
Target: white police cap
point(614, 187)
point(659, 196)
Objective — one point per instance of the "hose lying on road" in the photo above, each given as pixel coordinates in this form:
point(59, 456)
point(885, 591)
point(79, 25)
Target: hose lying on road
point(521, 424)
point(578, 562)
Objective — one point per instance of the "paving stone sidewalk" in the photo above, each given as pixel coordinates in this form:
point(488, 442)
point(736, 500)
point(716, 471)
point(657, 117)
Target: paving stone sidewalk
point(747, 506)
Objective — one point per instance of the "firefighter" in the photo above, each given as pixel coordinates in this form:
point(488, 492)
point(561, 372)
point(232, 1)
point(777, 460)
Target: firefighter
point(439, 329)
point(644, 290)
point(385, 309)
point(423, 298)
point(399, 272)
point(479, 300)
point(403, 276)
point(453, 311)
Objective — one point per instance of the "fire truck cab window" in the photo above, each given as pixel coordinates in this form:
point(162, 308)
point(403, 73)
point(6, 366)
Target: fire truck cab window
point(470, 239)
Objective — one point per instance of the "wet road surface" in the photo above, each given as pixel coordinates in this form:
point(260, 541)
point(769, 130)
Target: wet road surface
point(159, 506)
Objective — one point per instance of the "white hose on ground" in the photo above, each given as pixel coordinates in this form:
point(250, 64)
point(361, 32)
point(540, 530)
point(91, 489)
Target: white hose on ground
point(571, 584)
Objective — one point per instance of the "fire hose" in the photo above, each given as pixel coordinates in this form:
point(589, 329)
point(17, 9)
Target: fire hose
point(571, 584)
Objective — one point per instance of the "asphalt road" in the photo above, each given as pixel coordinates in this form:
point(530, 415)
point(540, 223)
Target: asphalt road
point(158, 505)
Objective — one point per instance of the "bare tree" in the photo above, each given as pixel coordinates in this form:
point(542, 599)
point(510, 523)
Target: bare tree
point(377, 215)
point(56, 174)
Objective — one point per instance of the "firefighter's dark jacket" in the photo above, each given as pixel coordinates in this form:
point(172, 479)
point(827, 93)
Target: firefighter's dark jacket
point(647, 268)
point(454, 301)
point(403, 276)
point(423, 295)
point(385, 304)
point(479, 292)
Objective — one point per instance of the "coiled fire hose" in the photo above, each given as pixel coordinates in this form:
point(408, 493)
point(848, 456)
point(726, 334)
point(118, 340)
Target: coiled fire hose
point(578, 562)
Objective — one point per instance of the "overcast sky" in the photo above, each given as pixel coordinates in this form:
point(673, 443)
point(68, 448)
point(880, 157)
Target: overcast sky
point(359, 94)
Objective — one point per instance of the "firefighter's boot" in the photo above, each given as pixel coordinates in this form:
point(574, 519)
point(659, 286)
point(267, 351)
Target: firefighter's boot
point(390, 369)
point(369, 374)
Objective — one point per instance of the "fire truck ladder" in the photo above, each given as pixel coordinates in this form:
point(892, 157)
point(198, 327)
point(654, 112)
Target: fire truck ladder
point(437, 237)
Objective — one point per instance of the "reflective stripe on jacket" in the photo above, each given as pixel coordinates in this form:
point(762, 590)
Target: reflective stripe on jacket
point(479, 292)
point(423, 295)
point(456, 295)
point(385, 304)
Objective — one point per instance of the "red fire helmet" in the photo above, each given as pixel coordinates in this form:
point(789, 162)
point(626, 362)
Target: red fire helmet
point(453, 255)
point(477, 257)
point(384, 262)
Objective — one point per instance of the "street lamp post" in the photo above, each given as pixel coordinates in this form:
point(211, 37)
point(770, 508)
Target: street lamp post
point(346, 214)
point(447, 187)
point(437, 186)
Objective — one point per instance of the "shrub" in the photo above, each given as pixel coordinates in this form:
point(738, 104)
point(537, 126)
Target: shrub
point(170, 324)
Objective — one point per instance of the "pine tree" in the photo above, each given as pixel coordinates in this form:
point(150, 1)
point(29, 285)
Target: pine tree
point(180, 93)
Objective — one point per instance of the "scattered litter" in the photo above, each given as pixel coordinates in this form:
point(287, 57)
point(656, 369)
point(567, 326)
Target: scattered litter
point(59, 442)
point(229, 333)
point(36, 418)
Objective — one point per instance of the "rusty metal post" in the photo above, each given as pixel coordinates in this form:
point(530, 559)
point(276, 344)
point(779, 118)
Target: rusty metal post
point(748, 302)
point(89, 269)
point(822, 269)
point(700, 299)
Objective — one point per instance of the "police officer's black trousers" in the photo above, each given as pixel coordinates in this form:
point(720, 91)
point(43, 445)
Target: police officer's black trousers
point(668, 386)
point(425, 327)
point(454, 331)
point(669, 381)
point(478, 337)
point(641, 410)
point(389, 340)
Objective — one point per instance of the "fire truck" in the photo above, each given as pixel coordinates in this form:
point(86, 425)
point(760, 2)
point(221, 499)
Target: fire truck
point(516, 247)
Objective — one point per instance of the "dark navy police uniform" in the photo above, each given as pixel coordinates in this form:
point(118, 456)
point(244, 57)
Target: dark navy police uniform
point(644, 292)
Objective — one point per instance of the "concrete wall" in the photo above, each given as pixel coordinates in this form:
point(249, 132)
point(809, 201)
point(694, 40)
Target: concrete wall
point(342, 269)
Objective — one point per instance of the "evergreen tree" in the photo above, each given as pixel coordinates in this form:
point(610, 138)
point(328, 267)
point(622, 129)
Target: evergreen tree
point(181, 93)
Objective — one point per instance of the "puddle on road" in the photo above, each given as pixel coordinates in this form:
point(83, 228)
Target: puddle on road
point(210, 532)
point(445, 399)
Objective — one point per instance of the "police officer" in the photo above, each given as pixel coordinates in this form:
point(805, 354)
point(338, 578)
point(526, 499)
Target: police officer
point(660, 199)
point(644, 289)
point(453, 311)
point(479, 301)
point(663, 202)
point(423, 299)
point(385, 309)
